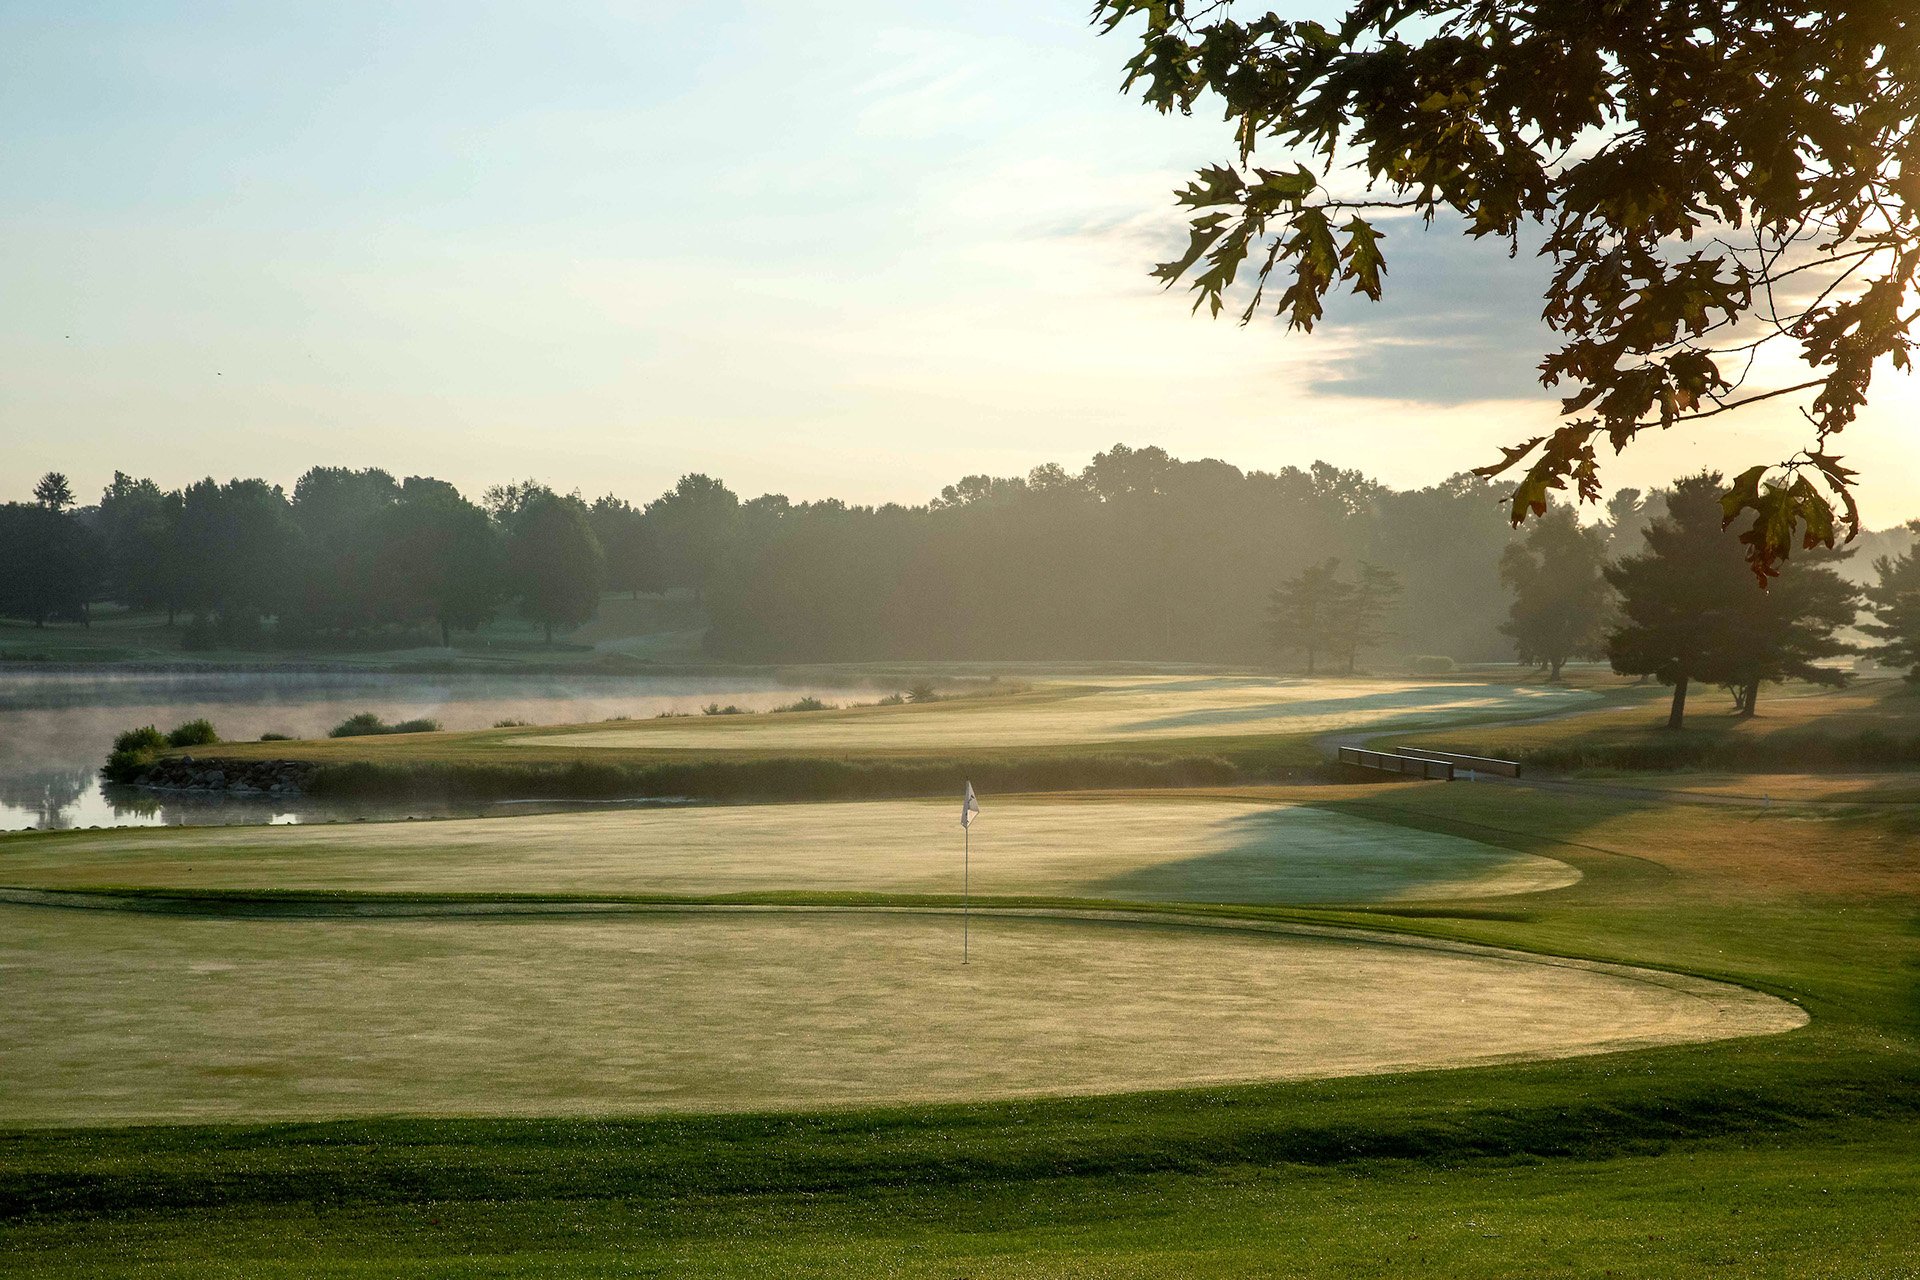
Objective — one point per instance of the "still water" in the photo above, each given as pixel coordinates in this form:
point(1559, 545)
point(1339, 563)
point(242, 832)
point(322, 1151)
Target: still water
point(57, 727)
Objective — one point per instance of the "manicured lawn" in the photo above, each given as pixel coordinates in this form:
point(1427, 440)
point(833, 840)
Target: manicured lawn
point(1155, 847)
point(120, 1016)
point(1783, 1155)
point(1133, 709)
point(1117, 712)
point(1838, 1204)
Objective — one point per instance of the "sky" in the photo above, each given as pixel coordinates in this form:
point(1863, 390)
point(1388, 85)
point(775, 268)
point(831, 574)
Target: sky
point(851, 249)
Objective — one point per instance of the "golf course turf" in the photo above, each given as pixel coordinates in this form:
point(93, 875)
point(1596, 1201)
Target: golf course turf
point(119, 1016)
point(1109, 732)
point(1154, 847)
point(1787, 1155)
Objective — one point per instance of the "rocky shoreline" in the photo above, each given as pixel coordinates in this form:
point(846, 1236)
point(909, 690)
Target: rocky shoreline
point(261, 777)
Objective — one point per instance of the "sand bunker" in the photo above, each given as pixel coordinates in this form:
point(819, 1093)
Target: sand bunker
point(117, 1017)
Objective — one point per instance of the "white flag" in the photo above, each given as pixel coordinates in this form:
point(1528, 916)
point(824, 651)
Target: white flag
point(968, 807)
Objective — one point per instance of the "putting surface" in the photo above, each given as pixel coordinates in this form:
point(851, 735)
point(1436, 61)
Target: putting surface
point(1115, 710)
point(115, 1017)
point(1156, 850)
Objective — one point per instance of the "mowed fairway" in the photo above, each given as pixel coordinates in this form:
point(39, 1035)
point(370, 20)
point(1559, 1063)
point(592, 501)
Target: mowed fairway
point(1146, 849)
point(1143, 708)
point(117, 1016)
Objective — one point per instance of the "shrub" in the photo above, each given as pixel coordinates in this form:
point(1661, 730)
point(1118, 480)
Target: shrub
point(145, 738)
point(715, 709)
point(1432, 665)
point(892, 700)
point(358, 726)
point(808, 703)
point(511, 724)
point(366, 723)
point(923, 692)
point(133, 751)
point(194, 733)
point(125, 766)
point(276, 737)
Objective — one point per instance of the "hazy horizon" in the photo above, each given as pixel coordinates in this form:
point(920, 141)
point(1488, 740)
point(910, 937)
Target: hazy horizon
point(857, 253)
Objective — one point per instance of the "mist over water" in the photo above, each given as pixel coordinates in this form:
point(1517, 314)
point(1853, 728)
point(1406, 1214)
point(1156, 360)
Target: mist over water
point(57, 727)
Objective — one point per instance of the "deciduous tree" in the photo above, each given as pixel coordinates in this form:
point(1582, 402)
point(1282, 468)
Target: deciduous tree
point(1708, 178)
point(438, 559)
point(50, 564)
point(554, 563)
point(693, 525)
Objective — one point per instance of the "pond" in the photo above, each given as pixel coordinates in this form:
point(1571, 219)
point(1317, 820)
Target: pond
point(56, 728)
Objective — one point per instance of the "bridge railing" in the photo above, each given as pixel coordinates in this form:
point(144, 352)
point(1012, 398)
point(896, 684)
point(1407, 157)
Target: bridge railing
point(1479, 764)
point(1393, 762)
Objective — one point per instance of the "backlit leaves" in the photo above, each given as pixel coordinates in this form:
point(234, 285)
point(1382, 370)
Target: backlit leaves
point(1706, 178)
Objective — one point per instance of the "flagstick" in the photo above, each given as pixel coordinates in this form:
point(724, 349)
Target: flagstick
point(966, 901)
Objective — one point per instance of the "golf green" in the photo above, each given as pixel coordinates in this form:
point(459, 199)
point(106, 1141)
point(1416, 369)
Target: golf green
point(1143, 849)
point(119, 1016)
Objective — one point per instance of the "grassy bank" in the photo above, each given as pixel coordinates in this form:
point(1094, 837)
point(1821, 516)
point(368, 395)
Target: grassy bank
point(799, 777)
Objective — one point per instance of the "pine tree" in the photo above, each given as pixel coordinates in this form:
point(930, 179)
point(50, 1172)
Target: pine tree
point(1688, 613)
point(1895, 601)
point(53, 492)
point(1305, 613)
point(1561, 599)
point(1362, 623)
point(1788, 631)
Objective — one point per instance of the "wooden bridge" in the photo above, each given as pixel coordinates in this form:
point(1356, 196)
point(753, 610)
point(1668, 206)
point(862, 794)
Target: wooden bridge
point(1442, 766)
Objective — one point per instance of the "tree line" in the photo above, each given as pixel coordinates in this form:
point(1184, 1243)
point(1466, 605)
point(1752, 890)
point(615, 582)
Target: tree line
point(1659, 590)
point(347, 552)
point(1137, 556)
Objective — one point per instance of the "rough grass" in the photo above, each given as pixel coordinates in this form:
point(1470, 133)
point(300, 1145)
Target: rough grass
point(1163, 849)
point(1875, 724)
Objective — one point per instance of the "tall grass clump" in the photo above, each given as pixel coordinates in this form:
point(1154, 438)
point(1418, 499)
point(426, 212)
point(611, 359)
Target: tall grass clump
point(366, 724)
